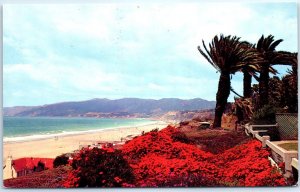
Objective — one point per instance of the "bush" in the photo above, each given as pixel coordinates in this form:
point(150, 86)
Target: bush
point(60, 160)
point(265, 115)
point(99, 168)
point(40, 167)
point(154, 130)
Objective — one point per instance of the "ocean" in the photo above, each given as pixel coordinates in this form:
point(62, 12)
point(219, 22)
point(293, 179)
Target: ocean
point(30, 128)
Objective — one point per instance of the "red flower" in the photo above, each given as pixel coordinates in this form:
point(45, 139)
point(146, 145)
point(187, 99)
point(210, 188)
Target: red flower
point(117, 179)
point(155, 157)
point(158, 160)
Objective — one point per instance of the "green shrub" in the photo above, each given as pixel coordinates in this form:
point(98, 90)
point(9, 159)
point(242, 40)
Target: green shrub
point(60, 160)
point(265, 115)
point(154, 130)
point(40, 167)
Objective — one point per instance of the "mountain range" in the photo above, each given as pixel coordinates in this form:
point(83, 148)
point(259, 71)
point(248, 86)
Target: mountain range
point(126, 107)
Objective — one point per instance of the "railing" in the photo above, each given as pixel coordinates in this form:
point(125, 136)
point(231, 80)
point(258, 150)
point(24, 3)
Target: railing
point(287, 156)
point(256, 129)
point(290, 158)
point(295, 163)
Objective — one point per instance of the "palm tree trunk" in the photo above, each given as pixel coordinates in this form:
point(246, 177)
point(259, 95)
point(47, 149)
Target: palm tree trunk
point(264, 85)
point(247, 84)
point(222, 96)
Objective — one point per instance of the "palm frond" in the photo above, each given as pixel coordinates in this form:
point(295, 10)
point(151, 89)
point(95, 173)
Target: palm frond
point(229, 53)
point(273, 71)
point(275, 44)
point(207, 58)
point(260, 42)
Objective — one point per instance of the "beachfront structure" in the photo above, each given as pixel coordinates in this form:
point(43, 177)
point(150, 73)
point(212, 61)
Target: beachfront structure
point(8, 170)
point(23, 166)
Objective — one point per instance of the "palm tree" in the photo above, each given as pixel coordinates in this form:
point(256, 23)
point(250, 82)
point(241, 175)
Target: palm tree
point(228, 55)
point(290, 86)
point(249, 71)
point(266, 47)
point(294, 72)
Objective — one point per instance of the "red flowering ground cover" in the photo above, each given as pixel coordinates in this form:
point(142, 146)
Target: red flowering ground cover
point(247, 165)
point(157, 159)
point(50, 178)
point(160, 159)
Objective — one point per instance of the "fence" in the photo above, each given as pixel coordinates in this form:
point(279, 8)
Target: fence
point(287, 125)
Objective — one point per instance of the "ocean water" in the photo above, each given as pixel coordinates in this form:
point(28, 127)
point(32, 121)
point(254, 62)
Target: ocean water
point(28, 128)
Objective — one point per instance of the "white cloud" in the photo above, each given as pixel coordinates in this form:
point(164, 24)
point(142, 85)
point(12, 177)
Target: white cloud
point(155, 87)
point(87, 21)
point(117, 46)
point(88, 76)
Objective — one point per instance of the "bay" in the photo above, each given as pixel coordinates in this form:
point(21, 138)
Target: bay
point(35, 127)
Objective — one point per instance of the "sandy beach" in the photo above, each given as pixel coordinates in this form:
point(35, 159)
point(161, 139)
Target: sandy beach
point(52, 147)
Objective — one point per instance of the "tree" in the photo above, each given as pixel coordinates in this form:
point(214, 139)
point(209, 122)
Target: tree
point(247, 83)
point(60, 160)
point(266, 47)
point(228, 55)
point(275, 92)
point(40, 167)
point(290, 87)
point(248, 71)
point(252, 70)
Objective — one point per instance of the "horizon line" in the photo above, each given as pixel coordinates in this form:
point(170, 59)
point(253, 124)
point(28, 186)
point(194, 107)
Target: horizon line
point(111, 99)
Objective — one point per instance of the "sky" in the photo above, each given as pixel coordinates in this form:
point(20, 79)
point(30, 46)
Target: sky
point(63, 52)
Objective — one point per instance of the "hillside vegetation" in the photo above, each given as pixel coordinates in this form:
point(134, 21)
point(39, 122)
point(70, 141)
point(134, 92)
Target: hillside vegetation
point(172, 157)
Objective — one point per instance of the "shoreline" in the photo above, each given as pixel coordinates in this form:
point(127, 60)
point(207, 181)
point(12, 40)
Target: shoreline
point(37, 137)
point(54, 146)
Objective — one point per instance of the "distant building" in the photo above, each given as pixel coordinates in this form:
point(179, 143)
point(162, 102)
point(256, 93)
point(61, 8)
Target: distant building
point(24, 166)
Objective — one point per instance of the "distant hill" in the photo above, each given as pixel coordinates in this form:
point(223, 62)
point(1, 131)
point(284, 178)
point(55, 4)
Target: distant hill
point(178, 116)
point(126, 107)
point(13, 111)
